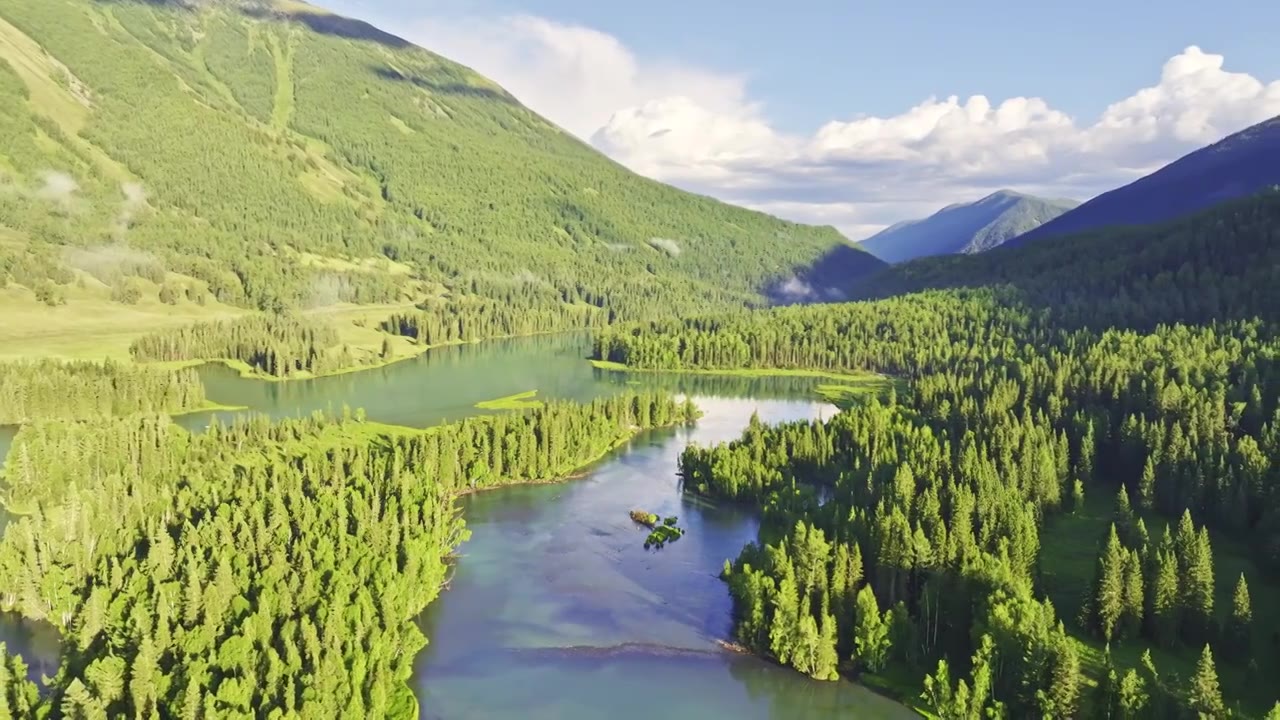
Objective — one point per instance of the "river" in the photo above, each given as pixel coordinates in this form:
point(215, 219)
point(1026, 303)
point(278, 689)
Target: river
point(556, 610)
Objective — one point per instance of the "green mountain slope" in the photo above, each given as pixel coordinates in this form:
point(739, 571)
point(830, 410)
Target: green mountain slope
point(275, 155)
point(1236, 166)
point(1218, 264)
point(966, 227)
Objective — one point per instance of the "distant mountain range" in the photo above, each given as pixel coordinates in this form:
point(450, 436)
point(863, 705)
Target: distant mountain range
point(966, 228)
point(1238, 166)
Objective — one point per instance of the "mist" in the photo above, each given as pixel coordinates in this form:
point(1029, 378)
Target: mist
point(58, 188)
point(670, 247)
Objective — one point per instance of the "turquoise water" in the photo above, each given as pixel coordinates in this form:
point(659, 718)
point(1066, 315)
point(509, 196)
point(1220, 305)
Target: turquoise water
point(445, 384)
point(556, 609)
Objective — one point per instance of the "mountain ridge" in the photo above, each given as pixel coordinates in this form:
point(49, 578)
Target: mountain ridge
point(1238, 165)
point(965, 227)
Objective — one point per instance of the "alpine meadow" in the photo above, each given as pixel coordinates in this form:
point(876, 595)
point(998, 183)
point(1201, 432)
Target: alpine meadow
point(335, 382)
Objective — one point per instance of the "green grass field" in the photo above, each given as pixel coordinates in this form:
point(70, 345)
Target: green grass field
point(519, 401)
point(1069, 548)
point(90, 326)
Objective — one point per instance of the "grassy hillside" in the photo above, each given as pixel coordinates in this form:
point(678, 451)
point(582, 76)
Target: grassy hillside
point(272, 155)
point(966, 227)
point(1237, 166)
point(1216, 265)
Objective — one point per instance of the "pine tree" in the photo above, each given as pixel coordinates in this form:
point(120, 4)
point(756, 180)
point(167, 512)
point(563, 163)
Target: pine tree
point(786, 621)
point(1063, 695)
point(1124, 514)
point(871, 632)
point(938, 692)
point(1166, 602)
point(828, 657)
point(1134, 598)
point(1198, 588)
point(1147, 486)
point(1077, 497)
point(1109, 592)
point(1204, 696)
point(1241, 623)
point(1132, 696)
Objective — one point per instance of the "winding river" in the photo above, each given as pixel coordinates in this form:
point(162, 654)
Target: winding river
point(556, 609)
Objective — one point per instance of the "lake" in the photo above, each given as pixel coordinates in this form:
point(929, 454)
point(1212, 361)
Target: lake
point(556, 609)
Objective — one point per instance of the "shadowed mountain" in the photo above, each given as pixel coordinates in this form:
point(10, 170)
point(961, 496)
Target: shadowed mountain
point(966, 227)
point(1214, 265)
point(1237, 166)
point(829, 279)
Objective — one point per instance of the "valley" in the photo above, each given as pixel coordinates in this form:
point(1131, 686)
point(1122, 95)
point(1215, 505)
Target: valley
point(343, 403)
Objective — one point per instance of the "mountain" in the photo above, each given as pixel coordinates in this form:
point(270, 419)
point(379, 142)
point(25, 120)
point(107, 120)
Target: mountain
point(966, 228)
point(1215, 265)
point(273, 155)
point(1237, 166)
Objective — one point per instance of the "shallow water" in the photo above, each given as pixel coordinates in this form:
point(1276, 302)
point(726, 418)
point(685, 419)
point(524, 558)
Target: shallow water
point(556, 609)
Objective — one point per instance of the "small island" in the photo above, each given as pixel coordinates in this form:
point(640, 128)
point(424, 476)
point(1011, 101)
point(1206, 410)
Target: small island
point(662, 533)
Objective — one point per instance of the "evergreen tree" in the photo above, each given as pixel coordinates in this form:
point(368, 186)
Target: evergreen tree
point(1134, 596)
point(1240, 626)
point(871, 633)
point(1166, 604)
point(1109, 602)
point(1204, 696)
point(1198, 587)
point(1147, 486)
point(1132, 696)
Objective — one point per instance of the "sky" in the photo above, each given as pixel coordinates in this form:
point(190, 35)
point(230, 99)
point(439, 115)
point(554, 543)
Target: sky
point(862, 113)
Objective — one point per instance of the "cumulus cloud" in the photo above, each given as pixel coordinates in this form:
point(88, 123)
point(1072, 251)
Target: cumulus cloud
point(699, 128)
point(575, 76)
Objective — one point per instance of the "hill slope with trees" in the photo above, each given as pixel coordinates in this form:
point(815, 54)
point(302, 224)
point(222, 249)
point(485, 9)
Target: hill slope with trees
point(332, 163)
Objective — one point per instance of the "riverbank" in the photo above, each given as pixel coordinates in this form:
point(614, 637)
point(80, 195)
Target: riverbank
point(844, 387)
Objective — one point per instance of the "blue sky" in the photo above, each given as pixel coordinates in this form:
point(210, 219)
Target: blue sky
point(820, 109)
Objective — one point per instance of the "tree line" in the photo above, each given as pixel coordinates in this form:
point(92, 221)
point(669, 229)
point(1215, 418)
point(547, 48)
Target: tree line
point(83, 390)
point(276, 345)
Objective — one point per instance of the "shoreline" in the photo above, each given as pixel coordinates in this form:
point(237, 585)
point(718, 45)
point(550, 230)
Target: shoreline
point(611, 366)
point(248, 372)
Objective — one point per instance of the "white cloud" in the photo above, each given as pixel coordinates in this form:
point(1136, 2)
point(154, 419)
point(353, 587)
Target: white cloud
point(699, 129)
point(575, 76)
